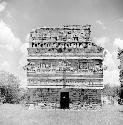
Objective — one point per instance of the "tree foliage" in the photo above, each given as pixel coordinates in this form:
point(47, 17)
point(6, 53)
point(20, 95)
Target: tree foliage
point(111, 90)
point(9, 87)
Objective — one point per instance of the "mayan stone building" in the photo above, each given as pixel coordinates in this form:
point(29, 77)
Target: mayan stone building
point(64, 66)
point(120, 56)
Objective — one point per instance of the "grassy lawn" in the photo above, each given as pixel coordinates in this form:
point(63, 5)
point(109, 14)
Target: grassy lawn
point(18, 115)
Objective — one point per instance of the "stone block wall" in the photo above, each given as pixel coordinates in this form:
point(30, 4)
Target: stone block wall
point(44, 95)
point(52, 95)
point(92, 95)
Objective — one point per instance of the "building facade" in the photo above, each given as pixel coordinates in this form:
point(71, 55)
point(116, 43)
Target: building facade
point(64, 66)
point(120, 56)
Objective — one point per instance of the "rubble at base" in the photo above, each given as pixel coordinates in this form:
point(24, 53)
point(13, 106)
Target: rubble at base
point(54, 106)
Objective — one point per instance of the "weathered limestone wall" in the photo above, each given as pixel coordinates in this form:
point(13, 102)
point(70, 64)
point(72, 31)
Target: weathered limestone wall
point(94, 95)
point(44, 95)
point(85, 96)
point(52, 95)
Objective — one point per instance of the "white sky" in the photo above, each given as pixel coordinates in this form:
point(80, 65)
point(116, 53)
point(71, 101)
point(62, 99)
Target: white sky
point(19, 17)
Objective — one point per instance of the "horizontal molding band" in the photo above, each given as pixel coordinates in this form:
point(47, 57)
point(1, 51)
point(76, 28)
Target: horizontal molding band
point(65, 87)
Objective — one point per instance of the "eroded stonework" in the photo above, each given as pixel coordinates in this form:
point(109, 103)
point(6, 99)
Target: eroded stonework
point(64, 58)
point(120, 56)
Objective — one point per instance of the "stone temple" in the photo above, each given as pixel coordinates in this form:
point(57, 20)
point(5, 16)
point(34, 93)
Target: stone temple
point(64, 67)
point(120, 57)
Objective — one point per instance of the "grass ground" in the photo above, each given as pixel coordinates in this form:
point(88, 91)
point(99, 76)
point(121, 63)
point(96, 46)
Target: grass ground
point(18, 115)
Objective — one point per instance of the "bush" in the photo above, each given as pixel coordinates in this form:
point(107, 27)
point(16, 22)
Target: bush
point(112, 91)
point(9, 87)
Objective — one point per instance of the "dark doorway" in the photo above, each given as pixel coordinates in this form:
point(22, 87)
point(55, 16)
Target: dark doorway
point(64, 100)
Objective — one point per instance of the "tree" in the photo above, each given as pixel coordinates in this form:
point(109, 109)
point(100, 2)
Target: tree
point(111, 90)
point(9, 87)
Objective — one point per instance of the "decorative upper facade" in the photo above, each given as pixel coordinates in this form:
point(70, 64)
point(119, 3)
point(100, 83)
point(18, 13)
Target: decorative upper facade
point(68, 42)
point(64, 56)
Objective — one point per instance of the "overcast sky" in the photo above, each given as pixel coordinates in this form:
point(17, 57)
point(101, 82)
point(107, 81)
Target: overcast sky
point(19, 17)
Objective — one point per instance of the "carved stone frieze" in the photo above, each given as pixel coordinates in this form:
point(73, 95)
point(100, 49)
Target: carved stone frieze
point(70, 67)
point(58, 48)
